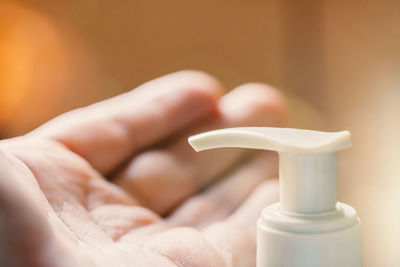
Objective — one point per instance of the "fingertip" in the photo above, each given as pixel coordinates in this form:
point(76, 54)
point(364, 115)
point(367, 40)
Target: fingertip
point(274, 101)
point(261, 100)
point(197, 81)
point(159, 186)
point(197, 89)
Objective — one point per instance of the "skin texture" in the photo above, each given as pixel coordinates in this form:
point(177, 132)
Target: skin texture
point(116, 183)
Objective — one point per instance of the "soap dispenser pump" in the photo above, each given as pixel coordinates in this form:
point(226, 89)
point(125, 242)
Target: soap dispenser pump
point(308, 227)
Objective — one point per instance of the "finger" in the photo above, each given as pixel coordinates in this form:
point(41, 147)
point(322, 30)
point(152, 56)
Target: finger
point(162, 178)
point(248, 213)
point(20, 225)
point(236, 246)
point(25, 220)
point(219, 201)
point(235, 237)
point(106, 133)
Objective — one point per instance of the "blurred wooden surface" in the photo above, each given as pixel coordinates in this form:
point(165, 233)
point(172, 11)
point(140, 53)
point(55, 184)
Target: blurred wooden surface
point(338, 61)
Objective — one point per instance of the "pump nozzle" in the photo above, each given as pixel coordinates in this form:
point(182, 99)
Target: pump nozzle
point(308, 223)
point(307, 161)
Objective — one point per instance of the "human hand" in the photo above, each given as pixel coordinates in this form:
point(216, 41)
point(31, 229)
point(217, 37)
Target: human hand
point(116, 184)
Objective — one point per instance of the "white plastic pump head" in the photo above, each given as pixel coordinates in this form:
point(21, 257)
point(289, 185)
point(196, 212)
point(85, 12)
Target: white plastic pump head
point(308, 224)
point(307, 161)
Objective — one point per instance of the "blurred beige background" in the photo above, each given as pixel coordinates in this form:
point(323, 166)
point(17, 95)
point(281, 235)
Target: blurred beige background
point(338, 62)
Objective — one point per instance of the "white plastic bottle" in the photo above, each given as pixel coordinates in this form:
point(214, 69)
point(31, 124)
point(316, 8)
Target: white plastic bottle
point(308, 228)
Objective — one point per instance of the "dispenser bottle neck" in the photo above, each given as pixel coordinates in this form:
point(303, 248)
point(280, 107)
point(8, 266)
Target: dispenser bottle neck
point(307, 182)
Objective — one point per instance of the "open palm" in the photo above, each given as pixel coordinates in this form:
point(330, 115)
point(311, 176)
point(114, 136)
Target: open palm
point(116, 184)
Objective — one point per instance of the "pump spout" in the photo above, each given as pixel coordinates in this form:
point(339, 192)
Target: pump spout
point(307, 161)
point(270, 138)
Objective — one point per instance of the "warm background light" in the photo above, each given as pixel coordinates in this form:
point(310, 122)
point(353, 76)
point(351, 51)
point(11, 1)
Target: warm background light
point(41, 59)
point(338, 61)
